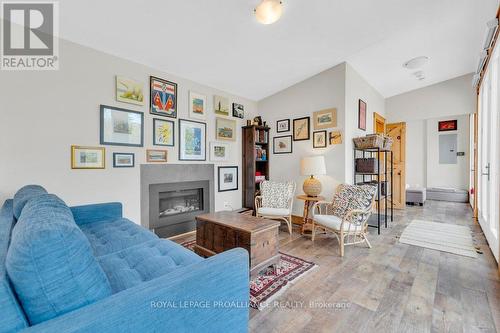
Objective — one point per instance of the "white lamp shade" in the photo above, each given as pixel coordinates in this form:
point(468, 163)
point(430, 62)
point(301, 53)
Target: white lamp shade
point(314, 165)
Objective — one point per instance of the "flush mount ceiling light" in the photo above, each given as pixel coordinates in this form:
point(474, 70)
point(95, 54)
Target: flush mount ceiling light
point(269, 11)
point(416, 62)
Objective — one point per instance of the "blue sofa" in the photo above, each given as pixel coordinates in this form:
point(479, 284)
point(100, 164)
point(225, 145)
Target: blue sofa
point(88, 269)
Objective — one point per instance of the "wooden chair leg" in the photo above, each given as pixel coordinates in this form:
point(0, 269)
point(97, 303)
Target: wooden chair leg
point(367, 242)
point(289, 223)
point(341, 244)
point(313, 231)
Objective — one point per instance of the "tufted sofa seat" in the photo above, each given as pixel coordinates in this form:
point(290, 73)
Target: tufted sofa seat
point(110, 236)
point(144, 262)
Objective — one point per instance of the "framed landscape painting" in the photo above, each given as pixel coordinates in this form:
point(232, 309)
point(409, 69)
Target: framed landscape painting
point(163, 132)
point(282, 144)
point(325, 119)
point(362, 115)
point(121, 127)
point(225, 129)
point(123, 160)
point(301, 128)
point(192, 140)
point(221, 105)
point(283, 125)
point(219, 152)
point(163, 97)
point(228, 178)
point(319, 139)
point(129, 91)
point(197, 105)
point(156, 156)
point(88, 157)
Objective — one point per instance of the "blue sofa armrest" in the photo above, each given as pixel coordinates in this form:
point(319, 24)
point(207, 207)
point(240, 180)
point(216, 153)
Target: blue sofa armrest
point(210, 296)
point(97, 212)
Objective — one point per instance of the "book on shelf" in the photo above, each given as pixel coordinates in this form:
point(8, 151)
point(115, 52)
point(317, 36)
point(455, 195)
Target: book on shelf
point(260, 153)
point(261, 136)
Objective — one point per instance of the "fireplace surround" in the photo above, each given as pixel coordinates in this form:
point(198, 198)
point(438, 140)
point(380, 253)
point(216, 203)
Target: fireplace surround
point(172, 195)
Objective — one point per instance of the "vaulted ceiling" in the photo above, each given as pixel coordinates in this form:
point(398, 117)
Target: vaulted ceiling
point(220, 44)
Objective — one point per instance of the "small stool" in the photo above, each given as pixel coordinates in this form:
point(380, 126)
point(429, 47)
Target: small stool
point(415, 195)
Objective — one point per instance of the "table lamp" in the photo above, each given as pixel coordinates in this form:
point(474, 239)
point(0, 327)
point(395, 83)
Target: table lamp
point(312, 166)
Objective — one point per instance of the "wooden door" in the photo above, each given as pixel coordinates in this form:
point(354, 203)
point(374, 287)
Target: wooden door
point(397, 132)
point(378, 123)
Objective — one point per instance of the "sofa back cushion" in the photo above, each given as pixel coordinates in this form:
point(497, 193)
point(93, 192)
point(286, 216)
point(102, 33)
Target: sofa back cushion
point(24, 194)
point(276, 194)
point(50, 261)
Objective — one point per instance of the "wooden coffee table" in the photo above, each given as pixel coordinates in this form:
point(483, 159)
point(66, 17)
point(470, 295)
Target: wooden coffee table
point(222, 231)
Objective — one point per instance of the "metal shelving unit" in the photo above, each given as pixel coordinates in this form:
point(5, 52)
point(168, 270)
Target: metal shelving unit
point(375, 178)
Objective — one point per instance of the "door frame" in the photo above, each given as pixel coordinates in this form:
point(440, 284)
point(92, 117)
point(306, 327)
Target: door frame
point(378, 119)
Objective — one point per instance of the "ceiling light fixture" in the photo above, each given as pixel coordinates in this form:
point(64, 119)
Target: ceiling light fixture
point(416, 62)
point(269, 11)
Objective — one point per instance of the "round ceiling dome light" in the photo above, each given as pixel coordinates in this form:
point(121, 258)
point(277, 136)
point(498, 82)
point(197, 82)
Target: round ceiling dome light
point(416, 62)
point(269, 11)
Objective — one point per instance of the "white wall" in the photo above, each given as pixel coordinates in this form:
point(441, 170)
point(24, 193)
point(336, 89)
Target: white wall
point(44, 113)
point(322, 91)
point(421, 109)
point(357, 88)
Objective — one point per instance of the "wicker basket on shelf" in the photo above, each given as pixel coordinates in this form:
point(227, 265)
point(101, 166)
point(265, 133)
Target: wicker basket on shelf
point(373, 141)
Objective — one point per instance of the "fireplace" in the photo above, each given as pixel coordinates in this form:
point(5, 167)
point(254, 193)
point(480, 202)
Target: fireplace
point(174, 206)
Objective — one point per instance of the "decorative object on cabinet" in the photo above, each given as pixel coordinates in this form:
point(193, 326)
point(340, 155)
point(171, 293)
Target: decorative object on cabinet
point(301, 129)
point(121, 127)
point(192, 140)
point(88, 157)
point(311, 166)
point(325, 119)
point(163, 132)
point(283, 125)
point(129, 91)
point(282, 144)
point(362, 115)
point(225, 129)
point(228, 178)
point(197, 105)
point(255, 170)
point(123, 160)
point(163, 97)
point(319, 139)
point(156, 155)
point(238, 111)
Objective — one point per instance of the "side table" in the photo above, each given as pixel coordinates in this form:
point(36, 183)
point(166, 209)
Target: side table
point(308, 203)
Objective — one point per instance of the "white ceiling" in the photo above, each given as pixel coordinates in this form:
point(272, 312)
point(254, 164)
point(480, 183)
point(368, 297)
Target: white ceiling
point(220, 44)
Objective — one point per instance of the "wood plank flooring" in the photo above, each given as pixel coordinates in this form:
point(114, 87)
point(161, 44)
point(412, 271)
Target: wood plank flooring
point(392, 287)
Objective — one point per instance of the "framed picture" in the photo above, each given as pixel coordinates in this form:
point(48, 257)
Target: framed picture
point(192, 140)
point(319, 139)
point(129, 91)
point(155, 155)
point(219, 151)
point(447, 125)
point(88, 157)
point(225, 129)
point(197, 105)
point(325, 119)
point(283, 125)
point(282, 144)
point(362, 115)
point(238, 110)
point(123, 160)
point(228, 178)
point(301, 128)
point(335, 138)
point(121, 127)
point(163, 132)
point(163, 97)
point(221, 105)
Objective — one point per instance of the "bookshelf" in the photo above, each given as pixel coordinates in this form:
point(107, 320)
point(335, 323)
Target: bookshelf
point(255, 161)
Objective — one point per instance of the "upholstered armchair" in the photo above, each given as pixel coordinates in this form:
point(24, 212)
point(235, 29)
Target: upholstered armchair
point(347, 215)
point(275, 201)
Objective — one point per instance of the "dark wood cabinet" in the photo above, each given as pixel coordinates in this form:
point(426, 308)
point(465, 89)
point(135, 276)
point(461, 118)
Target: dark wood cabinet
point(256, 143)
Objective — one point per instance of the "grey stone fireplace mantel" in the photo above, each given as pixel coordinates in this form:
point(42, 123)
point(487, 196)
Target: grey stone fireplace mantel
point(153, 174)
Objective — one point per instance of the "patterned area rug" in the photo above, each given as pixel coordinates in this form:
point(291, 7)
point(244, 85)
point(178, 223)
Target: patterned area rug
point(269, 284)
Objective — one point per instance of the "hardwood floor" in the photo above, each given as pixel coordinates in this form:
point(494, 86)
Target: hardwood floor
point(392, 287)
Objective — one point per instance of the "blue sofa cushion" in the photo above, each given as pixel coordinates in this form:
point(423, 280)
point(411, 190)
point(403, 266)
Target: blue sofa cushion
point(114, 235)
point(145, 262)
point(24, 194)
point(50, 261)
point(12, 317)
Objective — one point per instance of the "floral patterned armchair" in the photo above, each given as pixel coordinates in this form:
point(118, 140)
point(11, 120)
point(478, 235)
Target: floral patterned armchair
point(275, 201)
